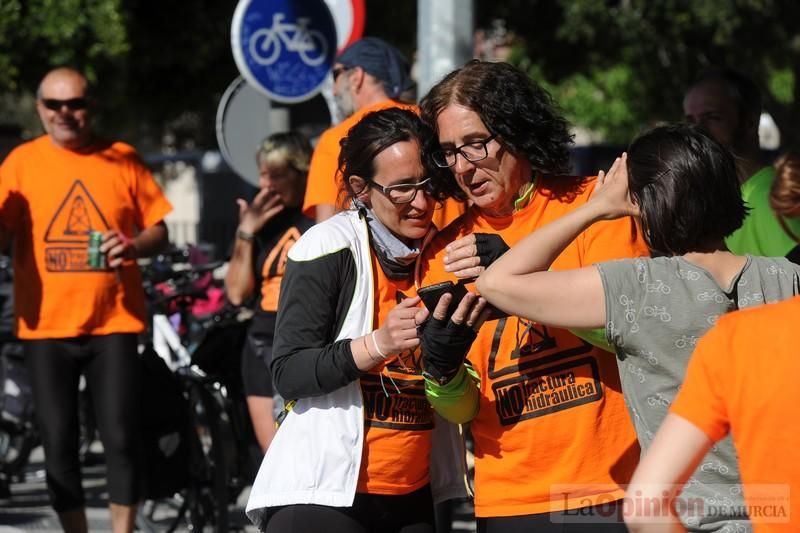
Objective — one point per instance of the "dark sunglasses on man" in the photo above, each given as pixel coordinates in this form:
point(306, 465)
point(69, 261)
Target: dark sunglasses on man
point(73, 104)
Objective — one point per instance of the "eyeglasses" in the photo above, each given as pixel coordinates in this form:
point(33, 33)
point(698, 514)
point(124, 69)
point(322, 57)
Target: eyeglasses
point(403, 193)
point(338, 71)
point(73, 104)
point(472, 152)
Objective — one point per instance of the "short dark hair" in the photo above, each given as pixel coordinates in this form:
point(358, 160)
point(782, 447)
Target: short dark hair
point(687, 189)
point(743, 89)
point(377, 131)
point(512, 106)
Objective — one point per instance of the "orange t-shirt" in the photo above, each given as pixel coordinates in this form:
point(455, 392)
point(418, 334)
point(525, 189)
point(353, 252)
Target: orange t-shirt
point(324, 181)
point(50, 199)
point(273, 269)
point(551, 408)
point(397, 435)
point(742, 378)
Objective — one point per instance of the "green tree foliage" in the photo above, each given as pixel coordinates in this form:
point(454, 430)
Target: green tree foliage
point(38, 34)
point(617, 66)
point(158, 65)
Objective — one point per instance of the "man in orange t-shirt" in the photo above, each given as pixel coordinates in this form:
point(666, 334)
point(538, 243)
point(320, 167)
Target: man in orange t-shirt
point(742, 380)
point(369, 75)
point(551, 432)
point(78, 317)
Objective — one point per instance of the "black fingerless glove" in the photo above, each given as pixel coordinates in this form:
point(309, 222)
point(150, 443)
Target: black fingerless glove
point(489, 247)
point(444, 348)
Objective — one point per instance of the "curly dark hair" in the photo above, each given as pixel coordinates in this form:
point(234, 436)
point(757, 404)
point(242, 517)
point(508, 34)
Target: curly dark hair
point(687, 189)
point(377, 131)
point(512, 106)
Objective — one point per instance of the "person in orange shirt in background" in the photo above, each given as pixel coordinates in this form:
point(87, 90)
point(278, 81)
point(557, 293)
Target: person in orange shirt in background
point(75, 317)
point(742, 380)
point(368, 75)
point(508, 150)
point(268, 227)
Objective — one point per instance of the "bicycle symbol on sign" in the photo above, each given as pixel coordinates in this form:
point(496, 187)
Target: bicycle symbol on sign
point(266, 44)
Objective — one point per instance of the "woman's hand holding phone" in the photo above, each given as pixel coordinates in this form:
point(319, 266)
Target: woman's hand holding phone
point(446, 340)
point(398, 332)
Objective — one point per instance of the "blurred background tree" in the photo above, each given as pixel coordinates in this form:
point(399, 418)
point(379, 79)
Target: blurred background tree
point(615, 66)
point(162, 66)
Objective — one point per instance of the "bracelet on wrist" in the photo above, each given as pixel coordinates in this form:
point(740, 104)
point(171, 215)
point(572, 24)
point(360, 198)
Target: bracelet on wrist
point(378, 348)
point(374, 358)
point(245, 235)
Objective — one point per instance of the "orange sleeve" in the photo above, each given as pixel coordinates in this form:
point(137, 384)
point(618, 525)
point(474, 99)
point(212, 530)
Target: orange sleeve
point(701, 399)
point(11, 203)
point(152, 205)
point(323, 184)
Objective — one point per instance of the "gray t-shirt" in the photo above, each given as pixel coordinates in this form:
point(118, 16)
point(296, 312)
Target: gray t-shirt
point(656, 310)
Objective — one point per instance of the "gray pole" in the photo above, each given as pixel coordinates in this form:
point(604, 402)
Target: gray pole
point(445, 31)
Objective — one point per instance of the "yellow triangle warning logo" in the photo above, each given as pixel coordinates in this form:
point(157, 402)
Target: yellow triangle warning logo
point(77, 216)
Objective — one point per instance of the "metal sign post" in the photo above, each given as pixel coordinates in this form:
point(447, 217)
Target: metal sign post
point(445, 39)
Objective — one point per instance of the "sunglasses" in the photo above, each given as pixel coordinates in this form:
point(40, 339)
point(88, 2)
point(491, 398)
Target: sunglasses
point(338, 71)
point(73, 104)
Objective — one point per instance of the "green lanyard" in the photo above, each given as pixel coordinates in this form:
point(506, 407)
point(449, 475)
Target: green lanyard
point(525, 198)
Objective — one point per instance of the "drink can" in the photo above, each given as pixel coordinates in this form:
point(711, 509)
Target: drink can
point(96, 258)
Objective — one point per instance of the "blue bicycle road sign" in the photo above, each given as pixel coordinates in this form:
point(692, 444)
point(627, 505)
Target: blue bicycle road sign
point(284, 48)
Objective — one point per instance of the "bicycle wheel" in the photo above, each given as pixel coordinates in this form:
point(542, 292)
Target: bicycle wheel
point(207, 496)
point(314, 48)
point(265, 46)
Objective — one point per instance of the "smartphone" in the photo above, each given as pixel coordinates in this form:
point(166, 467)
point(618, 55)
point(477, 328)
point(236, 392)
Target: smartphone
point(430, 297)
point(431, 294)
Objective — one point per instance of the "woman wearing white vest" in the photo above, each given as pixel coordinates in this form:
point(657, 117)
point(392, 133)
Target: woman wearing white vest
point(361, 450)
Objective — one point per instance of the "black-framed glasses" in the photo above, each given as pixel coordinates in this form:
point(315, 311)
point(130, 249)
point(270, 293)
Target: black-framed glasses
point(472, 152)
point(403, 193)
point(73, 104)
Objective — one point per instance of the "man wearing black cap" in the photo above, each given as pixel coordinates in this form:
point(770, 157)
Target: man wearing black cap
point(368, 75)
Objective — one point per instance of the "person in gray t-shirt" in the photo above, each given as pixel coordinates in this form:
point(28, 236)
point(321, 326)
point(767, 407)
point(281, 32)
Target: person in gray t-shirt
point(682, 187)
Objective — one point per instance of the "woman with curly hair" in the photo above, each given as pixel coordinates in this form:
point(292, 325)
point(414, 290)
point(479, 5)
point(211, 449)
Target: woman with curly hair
point(545, 406)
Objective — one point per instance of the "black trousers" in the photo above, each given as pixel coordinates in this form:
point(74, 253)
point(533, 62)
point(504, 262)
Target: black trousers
point(605, 518)
point(110, 364)
point(370, 513)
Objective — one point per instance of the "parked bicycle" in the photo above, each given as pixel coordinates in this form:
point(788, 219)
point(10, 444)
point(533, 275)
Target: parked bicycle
point(201, 449)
